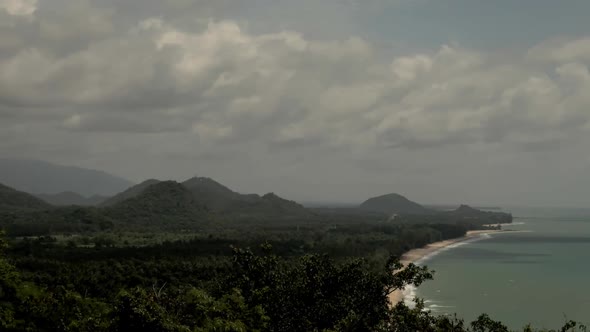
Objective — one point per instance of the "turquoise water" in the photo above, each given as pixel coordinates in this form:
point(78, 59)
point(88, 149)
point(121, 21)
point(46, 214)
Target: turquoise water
point(541, 276)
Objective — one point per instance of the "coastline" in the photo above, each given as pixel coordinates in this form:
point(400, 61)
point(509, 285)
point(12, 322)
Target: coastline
point(417, 254)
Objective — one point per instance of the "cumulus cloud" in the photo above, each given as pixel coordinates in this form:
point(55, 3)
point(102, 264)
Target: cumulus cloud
point(217, 84)
point(19, 7)
point(227, 83)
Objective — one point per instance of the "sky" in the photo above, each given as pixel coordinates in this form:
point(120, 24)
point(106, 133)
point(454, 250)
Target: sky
point(444, 101)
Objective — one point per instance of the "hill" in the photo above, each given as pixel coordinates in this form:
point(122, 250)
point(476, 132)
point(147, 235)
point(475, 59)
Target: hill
point(162, 204)
point(71, 198)
point(467, 213)
point(217, 198)
point(131, 192)
point(394, 204)
point(12, 199)
point(40, 177)
point(215, 195)
point(281, 205)
point(223, 200)
point(151, 205)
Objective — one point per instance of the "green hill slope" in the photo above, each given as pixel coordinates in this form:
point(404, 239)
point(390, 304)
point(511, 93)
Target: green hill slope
point(166, 204)
point(129, 192)
point(242, 206)
point(17, 200)
point(466, 213)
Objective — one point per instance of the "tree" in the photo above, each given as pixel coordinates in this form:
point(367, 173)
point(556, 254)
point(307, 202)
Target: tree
point(9, 288)
point(313, 292)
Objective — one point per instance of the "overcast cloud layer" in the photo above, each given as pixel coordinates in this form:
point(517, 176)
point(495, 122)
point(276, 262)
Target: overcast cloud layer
point(312, 100)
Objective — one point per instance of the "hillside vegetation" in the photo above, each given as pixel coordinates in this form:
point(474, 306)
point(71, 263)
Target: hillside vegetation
point(401, 210)
point(130, 192)
point(163, 204)
point(12, 199)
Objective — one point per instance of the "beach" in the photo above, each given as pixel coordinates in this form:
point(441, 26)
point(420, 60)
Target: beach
point(417, 254)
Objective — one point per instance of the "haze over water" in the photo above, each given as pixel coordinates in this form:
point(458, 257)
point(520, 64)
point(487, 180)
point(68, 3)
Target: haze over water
point(539, 277)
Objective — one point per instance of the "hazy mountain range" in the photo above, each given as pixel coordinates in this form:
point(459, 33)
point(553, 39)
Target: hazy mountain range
point(194, 203)
point(40, 177)
point(71, 198)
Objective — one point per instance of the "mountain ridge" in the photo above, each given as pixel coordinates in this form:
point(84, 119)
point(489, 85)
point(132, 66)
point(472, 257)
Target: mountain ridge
point(130, 192)
point(162, 202)
point(42, 177)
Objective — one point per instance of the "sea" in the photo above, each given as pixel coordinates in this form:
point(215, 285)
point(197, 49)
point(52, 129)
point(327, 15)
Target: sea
point(539, 275)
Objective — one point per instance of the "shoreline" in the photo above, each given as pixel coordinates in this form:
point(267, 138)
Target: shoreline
point(417, 254)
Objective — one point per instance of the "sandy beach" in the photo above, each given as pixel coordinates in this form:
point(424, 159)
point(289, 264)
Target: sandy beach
point(414, 255)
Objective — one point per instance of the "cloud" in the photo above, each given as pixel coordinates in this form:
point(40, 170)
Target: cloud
point(560, 50)
point(184, 77)
point(19, 7)
point(221, 82)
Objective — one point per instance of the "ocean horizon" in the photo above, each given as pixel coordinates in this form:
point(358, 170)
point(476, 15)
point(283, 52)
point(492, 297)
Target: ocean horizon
point(537, 275)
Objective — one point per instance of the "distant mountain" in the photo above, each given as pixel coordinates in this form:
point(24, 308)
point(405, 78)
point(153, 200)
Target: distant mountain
point(12, 199)
point(71, 198)
point(449, 207)
point(394, 204)
point(467, 213)
point(39, 177)
point(131, 192)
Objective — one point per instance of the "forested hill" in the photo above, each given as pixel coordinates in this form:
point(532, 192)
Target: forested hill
point(129, 192)
point(12, 199)
point(166, 203)
point(151, 205)
point(465, 212)
point(401, 209)
point(394, 204)
point(217, 197)
point(224, 200)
